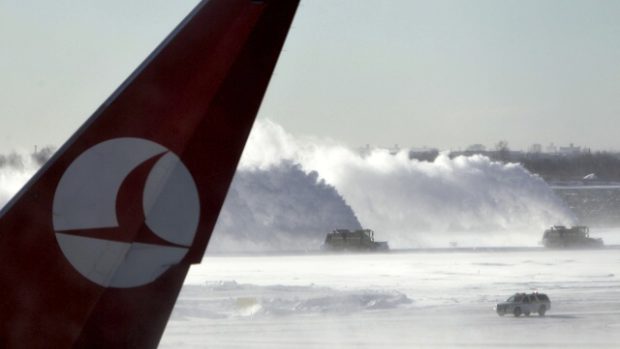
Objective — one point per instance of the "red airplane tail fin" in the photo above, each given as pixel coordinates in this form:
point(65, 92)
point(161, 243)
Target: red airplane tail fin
point(95, 248)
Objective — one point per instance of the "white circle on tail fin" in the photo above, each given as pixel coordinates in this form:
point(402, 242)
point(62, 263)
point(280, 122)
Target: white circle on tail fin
point(86, 217)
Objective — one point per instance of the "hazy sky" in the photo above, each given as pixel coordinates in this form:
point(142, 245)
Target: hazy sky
point(437, 73)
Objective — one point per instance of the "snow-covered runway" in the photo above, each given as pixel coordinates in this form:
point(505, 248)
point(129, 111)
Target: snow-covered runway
point(427, 299)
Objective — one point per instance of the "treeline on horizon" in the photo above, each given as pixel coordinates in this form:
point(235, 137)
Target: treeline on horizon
point(550, 166)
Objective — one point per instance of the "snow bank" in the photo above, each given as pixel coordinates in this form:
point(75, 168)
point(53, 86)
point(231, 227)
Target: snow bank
point(228, 299)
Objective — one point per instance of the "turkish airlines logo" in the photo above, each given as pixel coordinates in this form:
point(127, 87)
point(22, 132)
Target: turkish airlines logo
point(125, 211)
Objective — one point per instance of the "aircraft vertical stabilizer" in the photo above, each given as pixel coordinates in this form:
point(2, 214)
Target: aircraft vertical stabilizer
point(95, 248)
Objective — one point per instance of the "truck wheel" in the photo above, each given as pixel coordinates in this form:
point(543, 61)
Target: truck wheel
point(542, 310)
point(517, 312)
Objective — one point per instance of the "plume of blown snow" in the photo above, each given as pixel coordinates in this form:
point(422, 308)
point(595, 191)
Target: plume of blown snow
point(279, 208)
point(463, 200)
point(16, 168)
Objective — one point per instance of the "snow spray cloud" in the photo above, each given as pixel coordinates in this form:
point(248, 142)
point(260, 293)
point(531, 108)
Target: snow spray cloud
point(279, 208)
point(467, 201)
point(16, 168)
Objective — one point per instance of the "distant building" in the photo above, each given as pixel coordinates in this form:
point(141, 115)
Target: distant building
point(476, 148)
point(423, 154)
point(395, 149)
point(570, 150)
point(535, 148)
point(422, 149)
point(365, 150)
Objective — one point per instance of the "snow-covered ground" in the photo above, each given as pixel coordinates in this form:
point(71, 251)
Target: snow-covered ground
point(439, 299)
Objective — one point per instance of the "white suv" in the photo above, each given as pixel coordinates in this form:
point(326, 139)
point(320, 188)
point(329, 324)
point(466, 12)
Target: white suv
point(521, 303)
